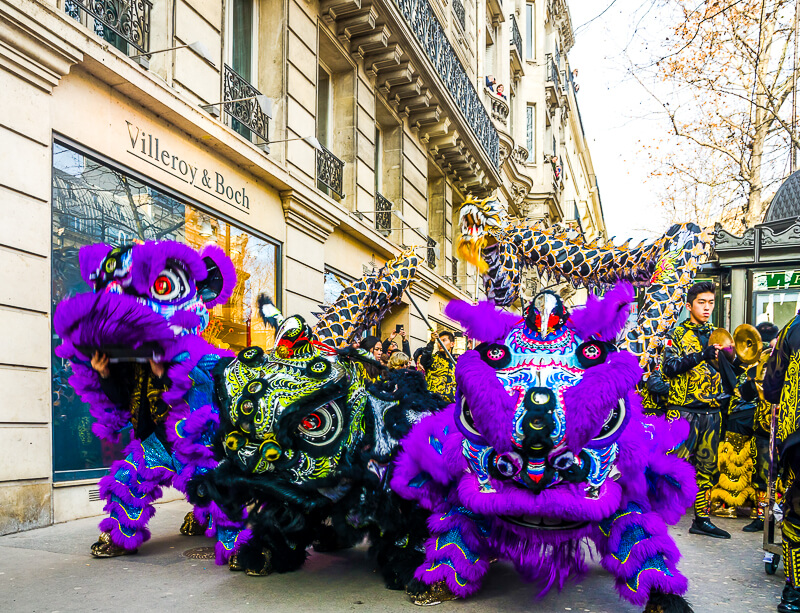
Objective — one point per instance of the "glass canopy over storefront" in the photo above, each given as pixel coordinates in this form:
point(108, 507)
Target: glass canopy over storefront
point(93, 203)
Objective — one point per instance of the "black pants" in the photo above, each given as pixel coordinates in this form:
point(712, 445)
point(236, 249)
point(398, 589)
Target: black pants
point(700, 449)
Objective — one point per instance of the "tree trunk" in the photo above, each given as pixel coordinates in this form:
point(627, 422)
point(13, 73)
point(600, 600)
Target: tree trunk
point(761, 123)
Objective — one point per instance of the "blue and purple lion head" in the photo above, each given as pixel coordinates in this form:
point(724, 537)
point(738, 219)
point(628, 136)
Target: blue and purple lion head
point(145, 296)
point(546, 447)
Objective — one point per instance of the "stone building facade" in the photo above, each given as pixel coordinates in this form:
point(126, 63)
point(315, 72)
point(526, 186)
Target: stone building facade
point(312, 140)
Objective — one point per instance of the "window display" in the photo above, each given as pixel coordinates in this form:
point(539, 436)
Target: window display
point(93, 202)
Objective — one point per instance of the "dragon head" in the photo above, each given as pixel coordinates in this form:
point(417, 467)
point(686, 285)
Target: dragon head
point(292, 412)
point(144, 298)
point(543, 407)
point(478, 219)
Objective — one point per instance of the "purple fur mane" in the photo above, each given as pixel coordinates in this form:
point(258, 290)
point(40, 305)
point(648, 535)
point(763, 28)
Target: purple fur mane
point(548, 452)
point(150, 301)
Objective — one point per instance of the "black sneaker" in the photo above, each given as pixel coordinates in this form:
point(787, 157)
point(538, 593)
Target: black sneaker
point(757, 525)
point(790, 600)
point(703, 525)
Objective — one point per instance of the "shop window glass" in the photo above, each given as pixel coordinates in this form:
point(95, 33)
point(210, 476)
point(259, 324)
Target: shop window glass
point(94, 203)
point(776, 307)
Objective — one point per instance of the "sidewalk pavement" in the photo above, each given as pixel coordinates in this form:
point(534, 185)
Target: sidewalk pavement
point(50, 569)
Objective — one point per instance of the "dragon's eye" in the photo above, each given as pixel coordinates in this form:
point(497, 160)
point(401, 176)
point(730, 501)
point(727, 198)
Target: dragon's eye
point(234, 441)
point(170, 285)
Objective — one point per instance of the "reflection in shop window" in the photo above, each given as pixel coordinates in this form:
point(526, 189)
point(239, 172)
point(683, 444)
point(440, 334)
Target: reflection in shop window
point(95, 203)
point(776, 307)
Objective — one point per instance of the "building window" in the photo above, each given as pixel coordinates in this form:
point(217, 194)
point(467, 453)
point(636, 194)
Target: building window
point(107, 20)
point(334, 284)
point(324, 106)
point(93, 202)
point(242, 49)
point(378, 159)
point(530, 132)
point(530, 14)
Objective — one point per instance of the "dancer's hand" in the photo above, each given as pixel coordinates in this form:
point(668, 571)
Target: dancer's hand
point(100, 364)
point(158, 368)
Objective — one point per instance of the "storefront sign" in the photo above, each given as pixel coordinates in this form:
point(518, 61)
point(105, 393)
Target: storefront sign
point(160, 153)
point(782, 279)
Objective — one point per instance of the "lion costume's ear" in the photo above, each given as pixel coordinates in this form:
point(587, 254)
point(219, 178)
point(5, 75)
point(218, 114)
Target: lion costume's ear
point(220, 279)
point(90, 257)
point(482, 321)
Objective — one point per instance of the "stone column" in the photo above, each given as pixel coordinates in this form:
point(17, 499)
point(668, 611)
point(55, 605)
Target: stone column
point(33, 58)
point(308, 226)
point(739, 291)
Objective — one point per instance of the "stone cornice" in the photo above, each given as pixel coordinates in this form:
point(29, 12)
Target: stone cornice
point(31, 50)
point(307, 216)
point(425, 284)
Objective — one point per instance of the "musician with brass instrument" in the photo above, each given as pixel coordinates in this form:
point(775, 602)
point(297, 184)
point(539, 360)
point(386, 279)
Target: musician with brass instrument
point(695, 390)
point(782, 387)
point(744, 456)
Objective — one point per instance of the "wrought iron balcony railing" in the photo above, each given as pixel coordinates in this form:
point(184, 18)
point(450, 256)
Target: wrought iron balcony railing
point(516, 37)
point(245, 109)
point(433, 39)
point(127, 19)
point(330, 171)
point(552, 70)
point(461, 14)
point(383, 215)
point(430, 254)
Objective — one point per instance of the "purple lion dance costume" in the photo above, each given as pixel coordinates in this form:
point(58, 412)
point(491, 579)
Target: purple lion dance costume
point(149, 304)
point(546, 448)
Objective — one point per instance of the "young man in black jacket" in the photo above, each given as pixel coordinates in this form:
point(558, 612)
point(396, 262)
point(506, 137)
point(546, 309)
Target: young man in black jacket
point(695, 390)
point(782, 387)
point(440, 371)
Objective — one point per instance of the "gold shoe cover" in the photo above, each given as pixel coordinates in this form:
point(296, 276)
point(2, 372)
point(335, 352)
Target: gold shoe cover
point(105, 548)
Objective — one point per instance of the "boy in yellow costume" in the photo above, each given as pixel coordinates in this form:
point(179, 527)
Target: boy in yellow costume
point(695, 390)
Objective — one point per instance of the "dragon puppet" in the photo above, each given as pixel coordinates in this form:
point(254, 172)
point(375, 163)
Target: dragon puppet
point(139, 361)
point(664, 268)
point(545, 449)
point(308, 446)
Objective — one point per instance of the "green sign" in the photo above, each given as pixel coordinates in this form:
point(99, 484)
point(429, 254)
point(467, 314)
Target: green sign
point(784, 279)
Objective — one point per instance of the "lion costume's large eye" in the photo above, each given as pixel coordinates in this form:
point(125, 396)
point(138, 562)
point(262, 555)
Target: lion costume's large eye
point(321, 428)
point(612, 428)
point(170, 285)
point(466, 423)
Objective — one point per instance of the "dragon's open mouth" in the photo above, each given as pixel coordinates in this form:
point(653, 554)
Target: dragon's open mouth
point(537, 522)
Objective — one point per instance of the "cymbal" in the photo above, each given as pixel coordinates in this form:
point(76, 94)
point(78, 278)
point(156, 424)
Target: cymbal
point(747, 343)
point(723, 338)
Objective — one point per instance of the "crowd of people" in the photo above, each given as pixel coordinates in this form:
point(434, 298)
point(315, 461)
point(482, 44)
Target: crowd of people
point(435, 360)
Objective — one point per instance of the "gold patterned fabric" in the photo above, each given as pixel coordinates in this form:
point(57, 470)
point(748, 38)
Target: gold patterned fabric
point(146, 394)
point(787, 410)
point(441, 377)
point(699, 386)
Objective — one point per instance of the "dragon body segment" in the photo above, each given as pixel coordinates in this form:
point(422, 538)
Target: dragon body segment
point(365, 302)
point(663, 268)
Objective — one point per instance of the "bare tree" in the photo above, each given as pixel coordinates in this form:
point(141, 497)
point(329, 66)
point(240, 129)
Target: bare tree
point(722, 81)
